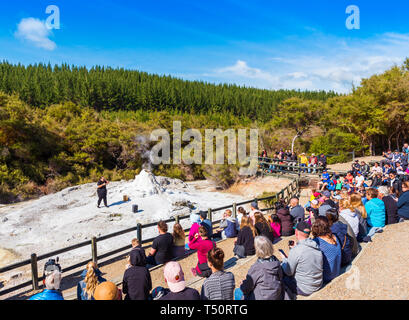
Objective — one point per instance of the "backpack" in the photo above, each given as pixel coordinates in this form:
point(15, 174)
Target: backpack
point(340, 230)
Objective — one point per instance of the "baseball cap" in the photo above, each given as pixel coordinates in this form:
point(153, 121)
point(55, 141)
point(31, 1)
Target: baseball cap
point(316, 194)
point(254, 205)
point(327, 194)
point(174, 276)
point(106, 290)
point(302, 226)
point(203, 214)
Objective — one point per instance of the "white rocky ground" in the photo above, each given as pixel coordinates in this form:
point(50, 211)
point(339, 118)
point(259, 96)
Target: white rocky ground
point(71, 216)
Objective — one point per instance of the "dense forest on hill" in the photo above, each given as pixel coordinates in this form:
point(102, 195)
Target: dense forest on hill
point(118, 89)
point(63, 126)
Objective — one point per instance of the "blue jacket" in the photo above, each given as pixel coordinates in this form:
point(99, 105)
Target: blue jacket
point(231, 230)
point(403, 205)
point(375, 208)
point(48, 295)
point(81, 294)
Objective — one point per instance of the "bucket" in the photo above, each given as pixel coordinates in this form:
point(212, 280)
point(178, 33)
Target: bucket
point(134, 208)
point(126, 198)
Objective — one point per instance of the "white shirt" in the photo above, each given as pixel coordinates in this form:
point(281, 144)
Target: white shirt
point(359, 180)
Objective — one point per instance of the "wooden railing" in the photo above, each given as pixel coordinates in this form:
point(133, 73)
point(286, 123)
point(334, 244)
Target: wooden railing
point(286, 193)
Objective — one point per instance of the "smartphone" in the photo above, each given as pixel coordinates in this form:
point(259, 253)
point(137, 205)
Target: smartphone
point(282, 251)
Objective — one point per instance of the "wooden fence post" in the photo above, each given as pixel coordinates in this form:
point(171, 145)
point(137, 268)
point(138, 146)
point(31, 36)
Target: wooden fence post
point(234, 210)
point(139, 233)
point(177, 219)
point(34, 271)
point(94, 249)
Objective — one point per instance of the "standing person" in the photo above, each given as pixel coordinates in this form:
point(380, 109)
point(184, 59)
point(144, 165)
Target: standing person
point(391, 206)
point(91, 277)
point(265, 276)
point(52, 281)
point(175, 279)
point(220, 285)
point(178, 241)
point(137, 282)
point(203, 245)
point(329, 246)
point(375, 209)
point(303, 268)
point(245, 239)
point(403, 202)
point(102, 191)
point(161, 251)
point(263, 228)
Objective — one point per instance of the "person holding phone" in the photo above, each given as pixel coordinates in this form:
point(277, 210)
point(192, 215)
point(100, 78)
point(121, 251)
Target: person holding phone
point(303, 268)
point(102, 191)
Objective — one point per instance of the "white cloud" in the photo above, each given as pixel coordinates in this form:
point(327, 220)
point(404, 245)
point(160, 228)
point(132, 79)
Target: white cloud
point(36, 32)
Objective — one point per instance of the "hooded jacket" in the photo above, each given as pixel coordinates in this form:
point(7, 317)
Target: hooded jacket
point(230, 227)
point(305, 263)
point(375, 208)
point(352, 219)
point(264, 280)
point(137, 281)
point(403, 205)
point(341, 232)
point(286, 221)
point(81, 293)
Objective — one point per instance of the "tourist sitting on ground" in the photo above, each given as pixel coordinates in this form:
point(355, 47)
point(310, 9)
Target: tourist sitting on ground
point(355, 167)
point(107, 291)
point(195, 220)
point(347, 212)
point(206, 223)
point(52, 280)
point(178, 241)
point(286, 220)
point(325, 179)
point(394, 181)
point(296, 211)
point(220, 284)
point(275, 226)
point(175, 279)
point(228, 226)
point(357, 205)
point(265, 276)
point(244, 245)
point(377, 180)
point(375, 170)
point(253, 209)
point(91, 277)
point(364, 169)
point(340, 230)
point(263, 228)
point(403, 202)
point(162, 246)
point(330, 248)
point(241, 213)
point(203, 245)
point(136, 283)
point(359, 180)
point(391, 206)
point(303, 268)
point(327, 204)
point(375, 209)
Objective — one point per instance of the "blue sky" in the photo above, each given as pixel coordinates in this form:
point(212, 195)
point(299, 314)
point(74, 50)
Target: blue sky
point(267, 44)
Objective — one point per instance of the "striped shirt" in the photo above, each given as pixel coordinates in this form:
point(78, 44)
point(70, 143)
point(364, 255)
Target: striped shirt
point(219, 286)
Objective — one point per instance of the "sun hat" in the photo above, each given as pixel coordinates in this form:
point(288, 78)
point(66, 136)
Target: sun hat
point(174, 276)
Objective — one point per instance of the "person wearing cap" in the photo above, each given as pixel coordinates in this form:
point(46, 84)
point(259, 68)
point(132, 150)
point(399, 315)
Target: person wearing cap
point(137, 281)
point(52, 280)
point(107, 291)
point(303, 161)
point(326, 204)
point(175, 279)
point(303, 268)
point(206, 223)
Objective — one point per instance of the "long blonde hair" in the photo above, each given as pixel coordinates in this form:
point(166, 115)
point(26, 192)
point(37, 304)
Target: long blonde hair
point(91, 279)
point(356, 203)
point(247, 222)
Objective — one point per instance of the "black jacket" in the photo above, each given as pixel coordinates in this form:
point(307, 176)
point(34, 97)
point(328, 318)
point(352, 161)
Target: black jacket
point(246, 239)
point(391, 209)
point(137, 281)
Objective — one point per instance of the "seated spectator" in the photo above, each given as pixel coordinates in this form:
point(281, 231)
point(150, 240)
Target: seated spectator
point(137, 283)
point(203, 245)
point(107, 291)
point(391, 206)
point(51, 281)
point(241, 213)
point(347, 212)
point(329, 246)
point(195, 220)
point(262, 227)
point(359, 208)
point(327, 204)
point(228, 226)
point(175, 279)
point(220, 284)
point(265, 276)
point(375, 209)
point(162, 246)
point(253, 209)
point(91, 277)
point(206, 223)
point(403, 202)
point(359, 180)
point(325, 179)
point(275, 226)
point(394, 181)
point(377, 180)
point(245, 239)
point(364, 169)
point(178, 241)
point(296, 211)
point(375, 170)
point(286, 220)
point(303, 268)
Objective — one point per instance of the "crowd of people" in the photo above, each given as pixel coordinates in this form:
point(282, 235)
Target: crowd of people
point(341, 213)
